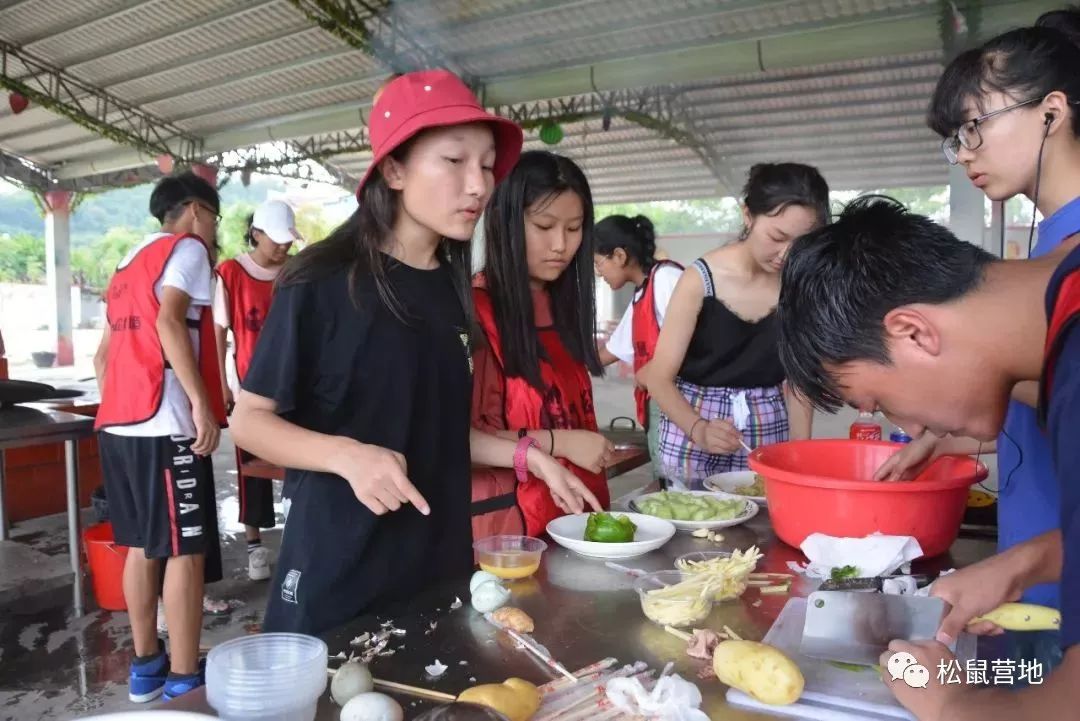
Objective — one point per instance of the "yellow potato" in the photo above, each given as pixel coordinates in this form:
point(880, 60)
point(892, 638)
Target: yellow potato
point(758, 670)
point(1023, 617)
point(514, 698)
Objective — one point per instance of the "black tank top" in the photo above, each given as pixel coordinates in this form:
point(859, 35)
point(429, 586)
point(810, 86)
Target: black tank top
point(727, 350)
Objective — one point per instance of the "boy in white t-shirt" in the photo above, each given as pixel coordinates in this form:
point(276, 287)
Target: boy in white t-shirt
point(160, 419)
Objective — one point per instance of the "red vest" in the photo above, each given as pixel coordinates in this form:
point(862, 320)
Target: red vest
point(645, 330)
point(1065, 315)
point(135, 362)
point(249, 302)
point(567, 404)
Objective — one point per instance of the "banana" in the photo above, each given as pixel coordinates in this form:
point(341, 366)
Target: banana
point(1023, 617)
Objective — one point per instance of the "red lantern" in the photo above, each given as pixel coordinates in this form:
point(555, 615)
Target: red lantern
point(18, 102)
point(165, 163)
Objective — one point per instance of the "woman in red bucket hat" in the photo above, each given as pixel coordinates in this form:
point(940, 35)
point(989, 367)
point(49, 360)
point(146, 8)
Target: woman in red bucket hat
point(361, 382)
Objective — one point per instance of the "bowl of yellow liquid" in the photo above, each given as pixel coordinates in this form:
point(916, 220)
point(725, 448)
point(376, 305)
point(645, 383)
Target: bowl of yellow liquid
point(509, 557)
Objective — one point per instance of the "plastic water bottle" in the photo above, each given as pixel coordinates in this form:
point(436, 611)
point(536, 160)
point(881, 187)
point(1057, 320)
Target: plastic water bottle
point(865, 428)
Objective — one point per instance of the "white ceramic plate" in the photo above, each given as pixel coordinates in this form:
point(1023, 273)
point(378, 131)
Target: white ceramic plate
point(728, 482)
point(651, 534)
point(750, 509)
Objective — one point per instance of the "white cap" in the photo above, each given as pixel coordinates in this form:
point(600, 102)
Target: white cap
point(276, 219)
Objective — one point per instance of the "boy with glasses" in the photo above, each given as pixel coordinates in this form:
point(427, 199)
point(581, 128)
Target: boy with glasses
point(161, 415)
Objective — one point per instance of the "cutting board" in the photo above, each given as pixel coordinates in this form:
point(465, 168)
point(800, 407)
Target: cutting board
point(832, 693)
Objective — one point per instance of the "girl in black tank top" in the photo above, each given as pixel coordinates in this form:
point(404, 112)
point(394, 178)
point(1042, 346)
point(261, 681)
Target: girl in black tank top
point(716, 374)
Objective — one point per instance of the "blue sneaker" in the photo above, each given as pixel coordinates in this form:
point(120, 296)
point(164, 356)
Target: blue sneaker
point(147, 679)
point(177, 685)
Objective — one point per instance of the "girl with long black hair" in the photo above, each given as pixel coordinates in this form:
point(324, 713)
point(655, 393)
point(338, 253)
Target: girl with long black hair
point(535, 303)
point(360, 384)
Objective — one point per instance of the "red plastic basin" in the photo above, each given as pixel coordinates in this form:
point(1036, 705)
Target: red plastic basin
point(825, 486)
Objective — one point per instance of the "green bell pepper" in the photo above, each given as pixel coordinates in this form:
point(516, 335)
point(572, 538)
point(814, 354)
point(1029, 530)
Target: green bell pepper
point(608, 528)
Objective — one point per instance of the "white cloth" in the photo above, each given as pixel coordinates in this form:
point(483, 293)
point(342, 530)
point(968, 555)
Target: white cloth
point(221, 294)
point(187, 270)
point(740, 411)
point(671, 699)
point(874, 555)
point(621, 342)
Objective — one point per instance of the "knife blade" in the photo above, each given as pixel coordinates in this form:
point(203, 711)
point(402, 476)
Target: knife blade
point(857, 627)
point(873, 583)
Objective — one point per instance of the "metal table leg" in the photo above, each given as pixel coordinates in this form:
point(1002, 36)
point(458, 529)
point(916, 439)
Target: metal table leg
point(3, 501)
point(71, 461)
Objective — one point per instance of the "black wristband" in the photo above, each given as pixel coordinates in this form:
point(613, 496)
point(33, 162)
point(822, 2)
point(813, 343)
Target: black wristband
point(522, 432)
point(552, 442)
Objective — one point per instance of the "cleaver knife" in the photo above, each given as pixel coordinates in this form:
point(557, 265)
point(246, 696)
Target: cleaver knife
point(856, 627)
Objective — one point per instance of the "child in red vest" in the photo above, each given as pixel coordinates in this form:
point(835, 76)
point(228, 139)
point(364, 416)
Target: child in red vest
point(625, 252)
point(245, 286)
point(886, 310)
point(160, 419)
point(535, 304)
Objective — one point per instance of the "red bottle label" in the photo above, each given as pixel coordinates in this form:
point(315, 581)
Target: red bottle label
point(865, 432)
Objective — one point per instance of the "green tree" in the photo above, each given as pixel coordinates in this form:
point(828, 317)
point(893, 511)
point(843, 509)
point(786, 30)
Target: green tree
point(232, 230)
point(22, 258)
point(93, 265)
point(312, 224)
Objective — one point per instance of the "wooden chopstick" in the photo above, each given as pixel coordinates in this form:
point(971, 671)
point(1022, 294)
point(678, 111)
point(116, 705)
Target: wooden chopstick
point(414, 691)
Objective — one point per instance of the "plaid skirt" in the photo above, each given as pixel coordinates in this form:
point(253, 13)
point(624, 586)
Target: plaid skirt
point(684, 464)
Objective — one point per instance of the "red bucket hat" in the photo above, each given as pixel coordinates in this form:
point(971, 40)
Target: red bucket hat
point(431, 99)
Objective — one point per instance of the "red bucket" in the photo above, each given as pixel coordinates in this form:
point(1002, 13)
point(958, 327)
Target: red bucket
point(106, 560)
point(825, 486)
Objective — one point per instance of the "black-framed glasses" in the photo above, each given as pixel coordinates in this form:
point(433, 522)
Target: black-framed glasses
point(207, 208)
point(968, 136)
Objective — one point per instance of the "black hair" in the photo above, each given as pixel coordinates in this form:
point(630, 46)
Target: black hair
point(840, 281)
point(359, 242)
point(772, 187)
point(174, 192)
point(537, 179)
point(636, 236)
point(1025, 64)
point(249, 232)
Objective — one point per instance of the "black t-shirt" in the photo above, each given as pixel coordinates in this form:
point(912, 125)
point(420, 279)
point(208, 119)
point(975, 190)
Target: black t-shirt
point(359, 371)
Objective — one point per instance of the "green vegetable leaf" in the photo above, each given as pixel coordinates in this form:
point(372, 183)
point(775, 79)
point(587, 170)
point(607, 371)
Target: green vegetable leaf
point(844, 572)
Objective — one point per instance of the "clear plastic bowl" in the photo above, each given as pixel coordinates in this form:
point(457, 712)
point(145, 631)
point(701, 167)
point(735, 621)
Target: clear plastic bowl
point(509, 557)
point(267, 677)
point(677, 612)
point(733, 589)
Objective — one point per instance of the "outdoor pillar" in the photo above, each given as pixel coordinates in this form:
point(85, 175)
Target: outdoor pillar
point(967, 208)
point(58, 271)
point(206, 172)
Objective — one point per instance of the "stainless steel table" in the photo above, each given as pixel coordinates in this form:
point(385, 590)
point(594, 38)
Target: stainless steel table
point(584, 612)
point(32, 425)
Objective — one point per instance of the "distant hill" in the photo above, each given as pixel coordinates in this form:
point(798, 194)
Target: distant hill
point(127, 207)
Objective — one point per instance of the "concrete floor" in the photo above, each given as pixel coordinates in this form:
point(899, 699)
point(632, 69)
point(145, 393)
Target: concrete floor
point(55, 666)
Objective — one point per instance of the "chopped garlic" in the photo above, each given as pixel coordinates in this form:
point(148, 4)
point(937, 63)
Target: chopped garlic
point(701, 533)
point(456, 604)
point(436, 669)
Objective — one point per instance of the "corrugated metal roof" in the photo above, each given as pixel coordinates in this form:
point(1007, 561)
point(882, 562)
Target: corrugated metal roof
point(212, 67)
